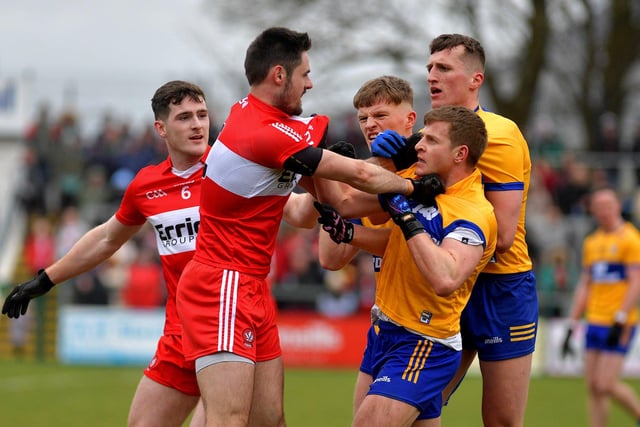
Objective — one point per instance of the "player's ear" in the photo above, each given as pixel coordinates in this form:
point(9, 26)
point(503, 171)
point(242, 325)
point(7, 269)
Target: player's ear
point(477, 79)
point(160, 128)
point(278, 74)
point(462, 152)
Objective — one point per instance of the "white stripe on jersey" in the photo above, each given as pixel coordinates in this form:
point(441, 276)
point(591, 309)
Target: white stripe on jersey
point(246, 178)
point(228, 297)
point(176, 230)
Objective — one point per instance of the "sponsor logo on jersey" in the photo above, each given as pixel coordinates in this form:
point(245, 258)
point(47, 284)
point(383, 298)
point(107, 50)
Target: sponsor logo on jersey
point(287, 180)
point(156, 194)
point(176, 230)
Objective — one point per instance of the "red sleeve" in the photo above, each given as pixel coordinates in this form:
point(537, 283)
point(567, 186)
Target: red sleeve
point(128, 212)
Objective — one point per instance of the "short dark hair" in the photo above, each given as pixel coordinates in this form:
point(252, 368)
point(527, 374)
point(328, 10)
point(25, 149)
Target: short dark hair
point(472, 47)
point(174, 92)
point(274, 46)
point(466, 128)
point(389, 89)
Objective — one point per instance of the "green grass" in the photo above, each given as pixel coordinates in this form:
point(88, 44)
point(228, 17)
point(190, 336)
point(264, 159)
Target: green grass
point(50, 394)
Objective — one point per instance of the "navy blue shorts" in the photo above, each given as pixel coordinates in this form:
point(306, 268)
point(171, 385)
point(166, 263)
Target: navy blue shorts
point(500, 321)
point(367, 357)
point(409, 368)
point(596, 339)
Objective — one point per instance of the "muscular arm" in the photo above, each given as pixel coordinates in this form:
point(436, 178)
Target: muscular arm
point(446, 266)
point(96, 246)
point(363, 175)
point(507, 205)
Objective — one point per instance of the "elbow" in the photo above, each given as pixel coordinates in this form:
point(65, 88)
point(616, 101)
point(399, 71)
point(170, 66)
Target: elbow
point(504, 244)
point(331, 264)
point(444, 288)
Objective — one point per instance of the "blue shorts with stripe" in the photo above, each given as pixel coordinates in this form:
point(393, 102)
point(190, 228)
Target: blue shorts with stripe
point(500, 320)
point(409, 368)
point(596, 339)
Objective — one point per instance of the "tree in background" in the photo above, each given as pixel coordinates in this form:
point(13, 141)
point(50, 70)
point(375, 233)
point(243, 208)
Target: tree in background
point(574, 60)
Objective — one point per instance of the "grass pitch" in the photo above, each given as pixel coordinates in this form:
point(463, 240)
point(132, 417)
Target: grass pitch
point(51, 395)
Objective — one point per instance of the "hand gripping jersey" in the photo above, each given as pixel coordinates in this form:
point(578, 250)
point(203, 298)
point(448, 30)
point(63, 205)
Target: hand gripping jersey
point(404, 295)
point(607, 256)
point(245, 186)
point(506, 165)
point(169, 201)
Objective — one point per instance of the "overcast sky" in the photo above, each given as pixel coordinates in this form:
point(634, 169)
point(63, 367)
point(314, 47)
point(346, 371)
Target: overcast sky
point(100, 55)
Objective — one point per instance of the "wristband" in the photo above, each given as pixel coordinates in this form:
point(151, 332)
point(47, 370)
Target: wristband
point(620, 317)
point(409, 225)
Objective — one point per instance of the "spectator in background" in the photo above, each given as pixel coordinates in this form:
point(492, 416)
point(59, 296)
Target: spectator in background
point(607, 294)
point(144, 287)
point(33, 194)
point(40, 245)
point(67, 161)
point(340, 297)
point(68, 231)
point(299, 262)
point(570, 194)
point(89, 289)
point(95, 199)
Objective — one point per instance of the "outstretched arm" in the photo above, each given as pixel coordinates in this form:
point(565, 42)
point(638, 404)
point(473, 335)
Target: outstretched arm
point(96, 246)
point(93, 248)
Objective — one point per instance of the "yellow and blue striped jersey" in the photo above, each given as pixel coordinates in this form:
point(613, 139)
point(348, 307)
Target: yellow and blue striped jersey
point(506, 165)
point(403, 293)
point(607, 256)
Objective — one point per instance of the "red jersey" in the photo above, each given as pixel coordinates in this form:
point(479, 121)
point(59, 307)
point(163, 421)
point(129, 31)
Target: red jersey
point(169, 200)
point(245, 186)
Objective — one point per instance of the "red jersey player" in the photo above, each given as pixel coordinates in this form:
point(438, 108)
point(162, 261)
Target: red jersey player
point(264, 150)
point(167, 196)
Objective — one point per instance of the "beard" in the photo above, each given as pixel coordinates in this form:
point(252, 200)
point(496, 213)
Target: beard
point(284, 101)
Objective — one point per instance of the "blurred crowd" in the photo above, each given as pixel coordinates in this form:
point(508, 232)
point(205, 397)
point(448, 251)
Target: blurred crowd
point(74, 182)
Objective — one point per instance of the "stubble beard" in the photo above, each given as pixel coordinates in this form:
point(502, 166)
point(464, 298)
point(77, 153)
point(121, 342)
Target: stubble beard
point(283, 103)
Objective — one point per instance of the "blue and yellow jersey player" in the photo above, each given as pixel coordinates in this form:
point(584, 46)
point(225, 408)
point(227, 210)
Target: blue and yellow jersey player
point(430, 262)
point(607, 295)
point(382, 104)
point(500, 321)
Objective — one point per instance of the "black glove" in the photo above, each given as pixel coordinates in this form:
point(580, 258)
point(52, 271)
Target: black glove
point(18, 299)
point(567, 349)
point(426, 189)
point(343, 148)
point(339, 229)
point(613, 337)
point(401, 150)
point(398, 207)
